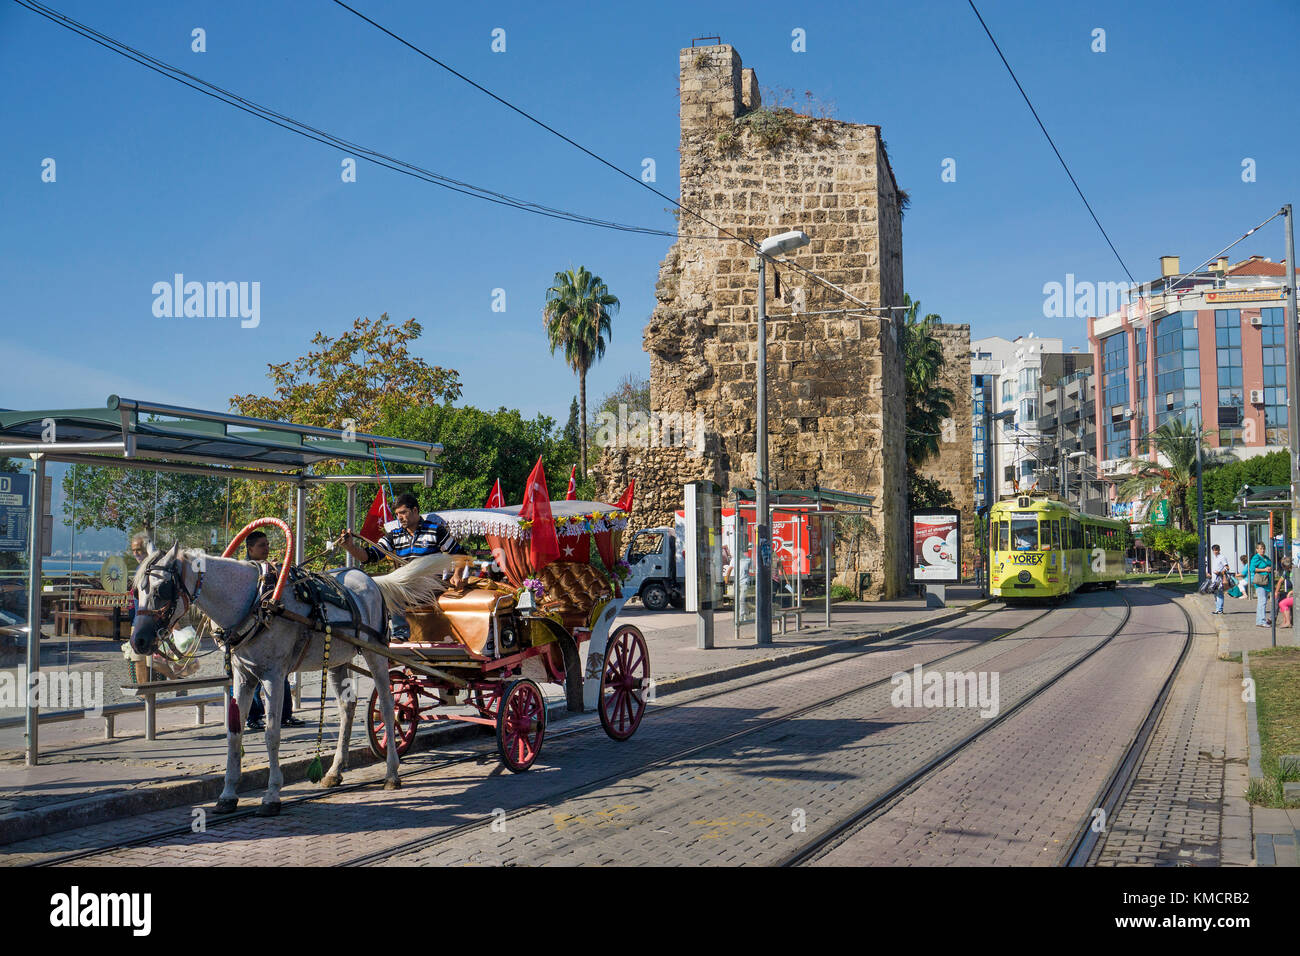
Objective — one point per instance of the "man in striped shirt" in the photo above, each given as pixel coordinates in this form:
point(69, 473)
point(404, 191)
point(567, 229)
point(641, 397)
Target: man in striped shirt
point(415, 536)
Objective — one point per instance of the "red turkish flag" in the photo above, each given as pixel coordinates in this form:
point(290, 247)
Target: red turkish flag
point(625, 503)
point(495, 498)
point(373, 528)
point(572, 493)
point(544, 544)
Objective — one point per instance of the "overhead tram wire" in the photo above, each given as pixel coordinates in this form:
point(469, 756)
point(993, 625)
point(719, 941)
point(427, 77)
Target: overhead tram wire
point(328, 139)
point(1052, 143)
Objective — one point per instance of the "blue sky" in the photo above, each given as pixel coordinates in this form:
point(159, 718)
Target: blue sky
point(154, 179)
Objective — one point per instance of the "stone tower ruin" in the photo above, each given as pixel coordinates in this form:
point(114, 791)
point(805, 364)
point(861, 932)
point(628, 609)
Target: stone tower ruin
point(835, 380)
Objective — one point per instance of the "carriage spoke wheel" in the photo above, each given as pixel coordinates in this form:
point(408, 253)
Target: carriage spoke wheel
point(623, 682)
point(521, 724)
point(406, 716)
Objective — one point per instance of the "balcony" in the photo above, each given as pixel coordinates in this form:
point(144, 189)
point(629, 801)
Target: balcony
point(1046, 423)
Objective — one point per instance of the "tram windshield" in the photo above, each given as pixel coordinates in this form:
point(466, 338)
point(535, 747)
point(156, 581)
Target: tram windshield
point(1024, 534)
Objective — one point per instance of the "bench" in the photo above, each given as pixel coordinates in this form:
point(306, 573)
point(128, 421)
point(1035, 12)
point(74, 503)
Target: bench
point(149, 690)
point(783, 614)
point(100, 613)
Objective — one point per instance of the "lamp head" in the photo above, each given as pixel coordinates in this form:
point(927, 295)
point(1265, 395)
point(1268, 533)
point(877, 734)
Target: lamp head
point(785, 242)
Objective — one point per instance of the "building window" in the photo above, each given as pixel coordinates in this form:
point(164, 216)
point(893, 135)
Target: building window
point(1178, 367)
point(1275, 402)
point(1232, 400)
point(1115, 393)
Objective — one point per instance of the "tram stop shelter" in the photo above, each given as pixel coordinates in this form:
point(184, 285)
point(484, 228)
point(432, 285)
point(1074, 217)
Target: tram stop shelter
point(154, 436)
point(803, 546)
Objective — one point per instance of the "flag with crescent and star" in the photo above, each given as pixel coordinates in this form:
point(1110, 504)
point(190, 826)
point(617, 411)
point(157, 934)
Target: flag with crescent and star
point(495, 498)
point(543, 543)
point(572, 493)
point(378, 515)
point(625, 503)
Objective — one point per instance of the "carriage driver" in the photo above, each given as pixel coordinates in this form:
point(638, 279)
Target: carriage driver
point(415, 535)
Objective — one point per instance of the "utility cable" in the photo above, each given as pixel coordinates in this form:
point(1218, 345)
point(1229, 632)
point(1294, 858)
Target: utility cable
point(1052, 144)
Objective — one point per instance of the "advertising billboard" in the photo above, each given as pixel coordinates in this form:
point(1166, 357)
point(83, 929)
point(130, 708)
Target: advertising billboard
point(936, 546)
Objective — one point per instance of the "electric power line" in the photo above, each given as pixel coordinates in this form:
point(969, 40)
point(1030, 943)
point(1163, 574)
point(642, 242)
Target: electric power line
point(533, 119)
point(1051, 143)
point(295, 126)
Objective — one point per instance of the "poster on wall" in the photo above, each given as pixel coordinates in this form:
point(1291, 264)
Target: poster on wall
point(936, 546)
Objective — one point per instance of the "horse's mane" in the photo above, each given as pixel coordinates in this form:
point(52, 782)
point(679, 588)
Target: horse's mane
point(418, 582)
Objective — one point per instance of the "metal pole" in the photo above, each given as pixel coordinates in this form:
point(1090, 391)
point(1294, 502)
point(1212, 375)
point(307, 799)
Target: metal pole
point(36, 525)
point(762, 530)
point(1293, 390)
point(1200, 505)
point(828, 532)
point(300, 524)
point(352, 519)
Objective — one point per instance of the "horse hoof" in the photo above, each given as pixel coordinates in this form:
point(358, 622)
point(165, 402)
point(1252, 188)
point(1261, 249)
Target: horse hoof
point(392, 785)
point(331, 780)
point(269, 809)
point(226, 805)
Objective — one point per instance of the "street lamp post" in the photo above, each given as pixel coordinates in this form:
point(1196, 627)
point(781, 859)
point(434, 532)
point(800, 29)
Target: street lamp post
point(1200, 505)
point(773, 245)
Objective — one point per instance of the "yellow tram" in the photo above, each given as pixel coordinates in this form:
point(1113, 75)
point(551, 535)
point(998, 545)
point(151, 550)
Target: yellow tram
point(1040, 547)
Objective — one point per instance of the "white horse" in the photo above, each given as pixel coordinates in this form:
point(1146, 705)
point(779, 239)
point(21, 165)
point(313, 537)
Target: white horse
point(225, 590)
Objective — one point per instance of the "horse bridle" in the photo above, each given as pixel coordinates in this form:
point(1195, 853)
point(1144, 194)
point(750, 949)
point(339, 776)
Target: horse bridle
point(171, 588)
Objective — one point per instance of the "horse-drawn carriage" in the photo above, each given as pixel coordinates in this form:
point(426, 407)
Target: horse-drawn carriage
point(479, 652)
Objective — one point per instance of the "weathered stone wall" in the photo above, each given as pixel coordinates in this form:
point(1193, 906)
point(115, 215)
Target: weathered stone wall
point(835, 381)
point(954, 467)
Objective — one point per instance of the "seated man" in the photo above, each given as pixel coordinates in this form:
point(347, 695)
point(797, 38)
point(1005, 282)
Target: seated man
point(414, 536)
point(258, 548)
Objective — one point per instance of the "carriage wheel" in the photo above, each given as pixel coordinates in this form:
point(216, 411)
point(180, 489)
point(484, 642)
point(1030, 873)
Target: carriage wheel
point(521, 724)
point(406, 716)
point(623, 682)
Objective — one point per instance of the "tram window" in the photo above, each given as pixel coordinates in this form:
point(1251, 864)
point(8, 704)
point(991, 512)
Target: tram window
point(1024, 534)
point(1004, 539)
point(1056, 534)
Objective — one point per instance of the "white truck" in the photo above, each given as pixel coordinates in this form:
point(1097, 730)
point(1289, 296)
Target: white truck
point(658, 554)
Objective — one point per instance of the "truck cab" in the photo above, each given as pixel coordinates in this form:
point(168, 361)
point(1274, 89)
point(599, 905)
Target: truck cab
point(656, 552)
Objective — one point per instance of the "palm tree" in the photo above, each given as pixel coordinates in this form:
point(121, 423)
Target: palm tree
point(577, 318)
point(1173, 474)
point(929, 403)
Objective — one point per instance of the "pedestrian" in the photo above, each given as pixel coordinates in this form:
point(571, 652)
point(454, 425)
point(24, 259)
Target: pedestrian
point(1219, 570)
point(1285, 593)
point(1261, 577)
point(1243, 578)
point(258, 548)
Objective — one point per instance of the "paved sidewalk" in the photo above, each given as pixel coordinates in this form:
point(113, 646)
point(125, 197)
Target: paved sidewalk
point(83, 778)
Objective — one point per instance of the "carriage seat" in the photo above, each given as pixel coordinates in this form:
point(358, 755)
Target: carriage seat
point(462, 614)
point(572, 589)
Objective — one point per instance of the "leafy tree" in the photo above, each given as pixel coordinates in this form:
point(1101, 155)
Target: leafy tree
point(1224, 479)
point(929, 402)
point(364, 375)
point(633, 390)
point(134, 500)
point(1175, 543)
point(572, 430)
point(577, 316)
point(356, 376)
point(1173, 474)
point(923, 492)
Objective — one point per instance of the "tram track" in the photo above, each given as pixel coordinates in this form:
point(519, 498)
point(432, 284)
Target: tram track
point(445, 836)
point(1111, 793)
point(1120, 781)
point(480, 755)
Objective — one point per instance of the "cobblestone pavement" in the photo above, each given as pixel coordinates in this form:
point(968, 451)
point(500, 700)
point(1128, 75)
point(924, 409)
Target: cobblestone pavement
point(1187, 802)
point(1018, 795)
point(673, 723)
point(747, 800)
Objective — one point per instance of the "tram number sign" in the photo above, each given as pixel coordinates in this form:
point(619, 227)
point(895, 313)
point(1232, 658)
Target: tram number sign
point(936, 546)
point(15, 506)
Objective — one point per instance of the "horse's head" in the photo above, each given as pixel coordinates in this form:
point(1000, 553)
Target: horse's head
point(159, 589)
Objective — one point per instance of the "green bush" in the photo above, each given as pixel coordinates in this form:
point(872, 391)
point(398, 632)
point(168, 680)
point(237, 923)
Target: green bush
point(842, 592)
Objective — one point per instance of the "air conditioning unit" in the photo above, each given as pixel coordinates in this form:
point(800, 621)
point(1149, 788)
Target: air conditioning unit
point(1257, 396)
point(1257, 321)
point(1109, 467)
point(1169, 400)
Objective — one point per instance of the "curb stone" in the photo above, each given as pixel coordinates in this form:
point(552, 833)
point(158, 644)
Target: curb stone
point(205, 788)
